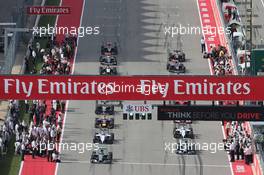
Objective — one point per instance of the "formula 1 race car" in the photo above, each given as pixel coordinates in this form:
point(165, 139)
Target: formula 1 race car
point(177, 55)
point(108, 60)
point(186, 146)
point(104, 122)
point(116, 103)
point(107, 70)
point(101, 156)
point(109, 48)
point(183, 132)
point(104, 109)
point(104, 137)
point(175, 67)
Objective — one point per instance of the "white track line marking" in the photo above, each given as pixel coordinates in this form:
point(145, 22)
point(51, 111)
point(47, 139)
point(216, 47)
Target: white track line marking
point(21, 167)
point(172, 164)
point(154, 164)
point(72, 71)
point(230, 164)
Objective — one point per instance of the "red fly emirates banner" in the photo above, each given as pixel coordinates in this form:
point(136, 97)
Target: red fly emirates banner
point(48, 10)
point(132, 87)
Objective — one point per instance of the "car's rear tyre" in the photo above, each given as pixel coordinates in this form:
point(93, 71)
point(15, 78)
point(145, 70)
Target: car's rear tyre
point(113, 136)
point(110, 156)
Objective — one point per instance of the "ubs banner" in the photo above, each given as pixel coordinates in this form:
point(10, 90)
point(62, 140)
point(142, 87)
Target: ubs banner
point(211, 113)
point(137, 108)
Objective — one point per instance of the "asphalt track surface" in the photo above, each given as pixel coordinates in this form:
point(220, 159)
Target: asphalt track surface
point(139, 149)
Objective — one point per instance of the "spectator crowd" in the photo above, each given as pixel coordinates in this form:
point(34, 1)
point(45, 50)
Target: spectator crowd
point(46, 129)
point(221, 61)
point(40, 138)
point(239, 142)
point(56, 57)
point(47, 118)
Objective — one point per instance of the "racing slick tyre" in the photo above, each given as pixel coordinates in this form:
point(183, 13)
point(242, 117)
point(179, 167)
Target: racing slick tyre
point(115, 50)
point(110, 156)
point(113, 138)
point(101, 71)
point(184, 70)
point(111, 124)
point(114, 71)
point(96, 123)
point(92, 157)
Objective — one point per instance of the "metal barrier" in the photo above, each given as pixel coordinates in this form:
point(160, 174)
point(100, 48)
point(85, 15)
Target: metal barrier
point(258, 130)
point(19, 18)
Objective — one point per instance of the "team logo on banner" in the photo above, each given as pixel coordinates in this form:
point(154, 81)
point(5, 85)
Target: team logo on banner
point(137, 108)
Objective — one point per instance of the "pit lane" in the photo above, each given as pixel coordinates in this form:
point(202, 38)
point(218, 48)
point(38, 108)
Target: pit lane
point(137, 27)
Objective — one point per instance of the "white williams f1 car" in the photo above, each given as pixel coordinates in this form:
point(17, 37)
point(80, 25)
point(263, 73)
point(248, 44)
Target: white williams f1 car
point(183, 132)
point(104, 137)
